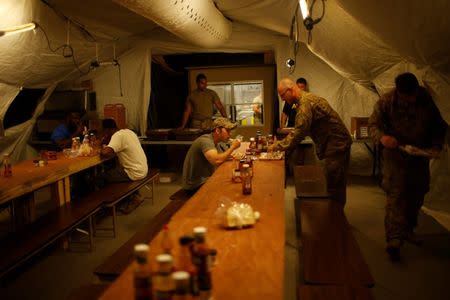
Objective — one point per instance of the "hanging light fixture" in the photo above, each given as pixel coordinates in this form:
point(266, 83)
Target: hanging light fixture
point(17, 29)
point(308, 21)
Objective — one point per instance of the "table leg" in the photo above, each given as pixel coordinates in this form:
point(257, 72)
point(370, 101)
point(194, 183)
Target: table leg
point(23, 210)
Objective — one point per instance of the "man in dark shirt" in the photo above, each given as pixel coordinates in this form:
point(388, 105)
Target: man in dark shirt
point(72, 127)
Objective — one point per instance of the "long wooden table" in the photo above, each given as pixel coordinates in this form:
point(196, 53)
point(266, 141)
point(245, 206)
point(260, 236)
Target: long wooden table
point(250, 262)
point(27, 178)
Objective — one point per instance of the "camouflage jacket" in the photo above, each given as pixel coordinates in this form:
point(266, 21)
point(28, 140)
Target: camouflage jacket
point(316, 118)
point(419, 124)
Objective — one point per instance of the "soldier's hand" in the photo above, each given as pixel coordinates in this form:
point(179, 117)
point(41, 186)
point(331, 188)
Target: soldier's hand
point(389, 142)
point(235, 144)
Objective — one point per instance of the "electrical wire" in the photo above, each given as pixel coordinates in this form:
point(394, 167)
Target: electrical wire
point(86, 34)
point(67, 51)
point(120, 79)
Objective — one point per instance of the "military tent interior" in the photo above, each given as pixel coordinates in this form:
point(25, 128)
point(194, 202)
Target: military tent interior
point(350, 57)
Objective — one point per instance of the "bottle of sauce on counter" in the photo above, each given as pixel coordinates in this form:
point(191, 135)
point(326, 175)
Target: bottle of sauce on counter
point(142, 276)
point(181, 282)
point(163, 282)
point(185, 263)
point(166, 241)
point(252, 145)
point(7, 168)
point(246, 180)
point(202, 260)
point(236, 171)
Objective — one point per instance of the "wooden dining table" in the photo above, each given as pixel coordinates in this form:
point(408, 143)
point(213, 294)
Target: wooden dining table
point(27, 178)
point(250, 261)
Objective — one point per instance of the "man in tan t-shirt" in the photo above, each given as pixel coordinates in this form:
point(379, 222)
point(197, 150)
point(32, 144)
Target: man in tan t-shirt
point(199, 105)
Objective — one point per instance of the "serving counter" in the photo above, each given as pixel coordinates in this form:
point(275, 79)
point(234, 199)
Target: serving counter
point(250, 261)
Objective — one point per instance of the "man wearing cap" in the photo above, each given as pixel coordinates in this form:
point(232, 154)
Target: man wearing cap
point(203, 156)
point(316, 118)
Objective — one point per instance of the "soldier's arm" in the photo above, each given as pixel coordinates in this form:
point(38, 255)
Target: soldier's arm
point(303, 121)
point(220, 107)
point(376, 122)
point(187, 112)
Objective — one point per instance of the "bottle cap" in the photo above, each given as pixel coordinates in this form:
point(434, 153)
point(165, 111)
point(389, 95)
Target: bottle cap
point(200, 230)
point(164, 258)
point(186, 239)
point(139, 248)
point(252, 139)
point(246, 166)
point(180, 275)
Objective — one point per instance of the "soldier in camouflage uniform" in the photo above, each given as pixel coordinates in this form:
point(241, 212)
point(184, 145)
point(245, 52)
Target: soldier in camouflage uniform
point(317, 119)
point(406, 115)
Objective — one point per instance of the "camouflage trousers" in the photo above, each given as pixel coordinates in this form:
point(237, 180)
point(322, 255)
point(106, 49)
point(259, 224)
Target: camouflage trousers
point(406, 180)
point(336, 167)
point(201, 124)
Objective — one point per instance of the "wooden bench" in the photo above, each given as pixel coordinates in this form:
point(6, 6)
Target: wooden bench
point(34, 237)
point(318, 292)
point(113, 194)
point(330, 253)
point(115, 264)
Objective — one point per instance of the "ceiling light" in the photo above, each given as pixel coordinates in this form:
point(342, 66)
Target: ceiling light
point(17, 29)
point(308, 21)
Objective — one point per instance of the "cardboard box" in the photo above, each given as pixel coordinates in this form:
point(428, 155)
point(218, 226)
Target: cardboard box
point(310, 181)
point(359, 127)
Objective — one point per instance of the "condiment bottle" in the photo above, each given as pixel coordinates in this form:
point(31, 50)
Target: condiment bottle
point(7, 168)
point(236, 171)
point(181, 281)
point(75, 144)
point(185, 263)
point(166, 241)
point(203, 262)
point(246, 180)
point(142, 276)
point(252, 145)
point(163, 282)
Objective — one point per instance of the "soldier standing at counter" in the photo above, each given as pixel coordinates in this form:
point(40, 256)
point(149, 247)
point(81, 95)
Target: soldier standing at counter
point(406, 115)
point(203, 156)
point(316, 118)
point(199, 105)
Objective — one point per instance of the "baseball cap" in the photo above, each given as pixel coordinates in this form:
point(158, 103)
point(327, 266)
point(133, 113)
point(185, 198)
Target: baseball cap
point(223, 122)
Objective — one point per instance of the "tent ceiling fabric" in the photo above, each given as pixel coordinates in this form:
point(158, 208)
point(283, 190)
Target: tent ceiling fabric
point(104, 17)
point(198, 22)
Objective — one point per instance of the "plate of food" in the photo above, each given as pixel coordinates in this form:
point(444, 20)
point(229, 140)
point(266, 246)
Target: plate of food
point(275, 155)
point(416, 151)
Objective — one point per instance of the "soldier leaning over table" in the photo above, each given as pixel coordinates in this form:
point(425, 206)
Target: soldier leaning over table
point(406, 115)
point(316, 118)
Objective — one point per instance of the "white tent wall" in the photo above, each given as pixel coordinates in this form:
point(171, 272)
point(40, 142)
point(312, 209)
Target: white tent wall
point(135, 81)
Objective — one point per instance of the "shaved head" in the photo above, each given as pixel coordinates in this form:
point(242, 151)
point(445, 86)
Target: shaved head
point(285, 83)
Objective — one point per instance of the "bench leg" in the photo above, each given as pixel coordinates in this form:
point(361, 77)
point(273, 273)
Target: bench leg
point(114, 220)
point(91, 232)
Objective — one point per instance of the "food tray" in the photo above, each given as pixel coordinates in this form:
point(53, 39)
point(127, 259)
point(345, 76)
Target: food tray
point(161, 134)
point(278, 155)
point(187, 134)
